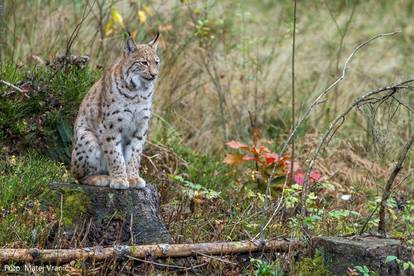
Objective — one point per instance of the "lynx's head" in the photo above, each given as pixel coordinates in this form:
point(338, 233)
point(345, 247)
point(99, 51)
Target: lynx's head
point(141, 63)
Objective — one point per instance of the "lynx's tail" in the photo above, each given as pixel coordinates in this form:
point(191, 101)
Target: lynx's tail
point(96, 180)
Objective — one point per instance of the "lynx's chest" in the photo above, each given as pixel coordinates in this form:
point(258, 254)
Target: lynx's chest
point(132, 116)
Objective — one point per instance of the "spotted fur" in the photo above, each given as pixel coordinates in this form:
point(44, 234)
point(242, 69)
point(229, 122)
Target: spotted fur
point(112, 123)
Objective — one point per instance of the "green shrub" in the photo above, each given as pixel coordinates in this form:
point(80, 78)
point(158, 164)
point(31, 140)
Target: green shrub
point(41, 117)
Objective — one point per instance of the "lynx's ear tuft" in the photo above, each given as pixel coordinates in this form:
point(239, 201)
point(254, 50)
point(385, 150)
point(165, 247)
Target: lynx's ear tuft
point(130, 46)
point(154, 43)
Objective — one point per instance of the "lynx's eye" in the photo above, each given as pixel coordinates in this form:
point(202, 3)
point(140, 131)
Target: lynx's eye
point(144, 62)
point(157, 62)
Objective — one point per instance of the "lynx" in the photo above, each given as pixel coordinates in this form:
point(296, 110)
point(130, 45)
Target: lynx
point(112, 123)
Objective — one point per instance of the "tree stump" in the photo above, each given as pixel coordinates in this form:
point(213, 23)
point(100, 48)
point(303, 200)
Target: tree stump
point(341, 253)
point(111, 216)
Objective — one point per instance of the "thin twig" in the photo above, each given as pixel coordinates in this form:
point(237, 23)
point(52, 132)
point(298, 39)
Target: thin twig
point(293, 93)
point(335, 126)
point(332, 85)
point(12, 86)
point(78, 26)
point(130, 228)
point(275, 211)
point(368, 220)
point(388, 185)
point(215, 258)
point(290, 177)
point(318, 100)
point(86, 233)
point(61, 215)
point(341, 42)
point(155, 263)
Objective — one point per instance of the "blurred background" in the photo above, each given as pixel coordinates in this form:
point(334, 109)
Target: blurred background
point(221, 61)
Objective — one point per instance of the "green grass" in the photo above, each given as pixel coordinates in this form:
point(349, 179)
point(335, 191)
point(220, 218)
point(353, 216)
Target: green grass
point(204, 169)
point(24, 181)
point(26, 177)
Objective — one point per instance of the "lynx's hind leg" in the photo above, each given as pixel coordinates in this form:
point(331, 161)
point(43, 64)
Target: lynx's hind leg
point(87, 156)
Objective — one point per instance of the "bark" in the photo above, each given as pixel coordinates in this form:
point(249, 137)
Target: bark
point(130, 216)
point(143, 251)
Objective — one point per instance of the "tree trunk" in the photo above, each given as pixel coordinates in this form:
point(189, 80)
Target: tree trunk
point(130, 216)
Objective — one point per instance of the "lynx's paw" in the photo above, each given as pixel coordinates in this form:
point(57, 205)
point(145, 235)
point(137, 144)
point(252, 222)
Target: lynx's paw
point(137, 183)
point(119, 183)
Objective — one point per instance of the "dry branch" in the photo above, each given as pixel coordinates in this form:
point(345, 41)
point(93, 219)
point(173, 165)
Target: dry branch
point(369, 97)
point(320, 97)
point(316, 102)
point(390, 181)
point(143, 251)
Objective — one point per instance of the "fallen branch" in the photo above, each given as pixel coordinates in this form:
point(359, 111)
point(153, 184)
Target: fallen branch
point(143, 251)
point(390, 181)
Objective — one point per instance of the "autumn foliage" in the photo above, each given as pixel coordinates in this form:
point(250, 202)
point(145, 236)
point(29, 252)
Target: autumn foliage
point(266, 160)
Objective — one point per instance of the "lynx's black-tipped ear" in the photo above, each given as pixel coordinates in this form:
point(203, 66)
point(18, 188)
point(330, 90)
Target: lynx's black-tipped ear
point(154, 42)
point(130, 45)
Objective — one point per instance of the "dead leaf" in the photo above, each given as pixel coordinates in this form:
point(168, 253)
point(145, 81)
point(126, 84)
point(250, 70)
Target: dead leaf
point(234, 159)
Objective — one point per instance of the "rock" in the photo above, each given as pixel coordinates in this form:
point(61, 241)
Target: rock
point(342, 253)
point(130, 216)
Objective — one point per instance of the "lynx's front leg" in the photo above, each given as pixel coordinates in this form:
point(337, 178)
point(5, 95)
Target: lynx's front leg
point(111, 145)
point(133, 151)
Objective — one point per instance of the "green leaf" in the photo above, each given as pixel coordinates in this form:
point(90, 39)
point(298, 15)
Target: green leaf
point(390, 259)
point(408, 265)
point(363, 269)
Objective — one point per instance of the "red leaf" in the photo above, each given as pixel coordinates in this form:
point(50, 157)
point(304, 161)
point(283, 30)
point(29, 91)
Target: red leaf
point(271, 157)
point(299, 178)
point(259, 150)
point(237, 145)
point(315, 176)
